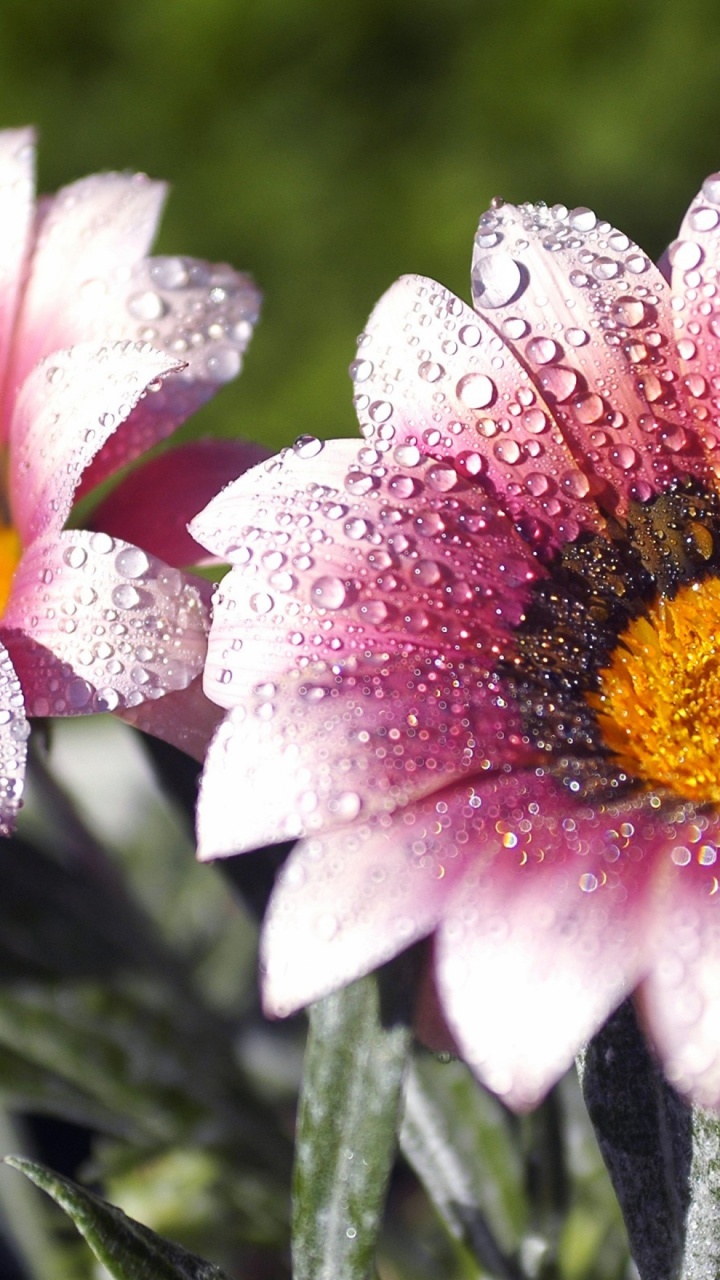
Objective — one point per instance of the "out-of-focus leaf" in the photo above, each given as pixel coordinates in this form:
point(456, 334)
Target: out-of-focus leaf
point(120, 1061)
point(644, 1130)
point(459, 1142)
point(205, 1198)
point(126, 1249)
point(354, 1069)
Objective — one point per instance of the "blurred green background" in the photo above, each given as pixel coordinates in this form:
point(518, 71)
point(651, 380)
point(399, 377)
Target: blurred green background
point(329, 147)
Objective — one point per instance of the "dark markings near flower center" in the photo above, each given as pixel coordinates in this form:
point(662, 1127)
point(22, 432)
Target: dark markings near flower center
point(596, 587)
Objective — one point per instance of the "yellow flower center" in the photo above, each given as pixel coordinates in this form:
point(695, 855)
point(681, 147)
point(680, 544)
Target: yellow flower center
point(10, 551)
point(658, 706)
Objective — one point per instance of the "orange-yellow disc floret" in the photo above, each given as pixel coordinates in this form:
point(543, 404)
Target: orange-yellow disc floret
point(658, 704)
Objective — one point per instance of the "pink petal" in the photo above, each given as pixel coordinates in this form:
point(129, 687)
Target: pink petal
point(541, 943)
point(94, 624)
point(200, 314)
point(349, 900)
point(680, 999)
point(333, 560)
point(185, 718)
point(323, 746)
point(577, 297)
point(153, 504)
point(17, 186)
point(693, 262)
point(431, 373)
point(90, 234)
point(14, 732)
point(66, 408)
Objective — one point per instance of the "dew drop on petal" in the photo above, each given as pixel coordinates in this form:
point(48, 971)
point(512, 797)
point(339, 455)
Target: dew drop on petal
point(476, 390)
point(685, 254)
point(588, 408)
point(559, 382)
point(329, 592)
point(125, 596)
point(542, 350)
point(496, 280)
point(261, 602)
point(307, 446)
point(704, 219)
point(131, 562)
point(582, 219)
point(711, 188)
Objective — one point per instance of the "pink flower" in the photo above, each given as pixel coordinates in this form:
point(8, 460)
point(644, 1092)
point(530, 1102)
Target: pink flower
point(103, 352)
point(475, 665)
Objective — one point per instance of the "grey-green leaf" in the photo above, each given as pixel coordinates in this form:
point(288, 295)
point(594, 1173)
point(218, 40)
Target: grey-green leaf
point(459, 1142)
point(126, 1249)
point(354, 1070)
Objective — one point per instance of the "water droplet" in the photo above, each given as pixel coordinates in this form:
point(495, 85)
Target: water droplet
point(125, 596)
point(431, 371)
point(704, 219)
point(515, 328)
point(559, 382)
point(685, 254)
point(101, 543)
point(588, 882)
point(131, 562)
point(261, 602)
point(407, 455)
point(476, 390)
point(380, 411)
point(535, 421)
point(537, 484)
point(577, 337)
point(606, 268)
point(223, 364)
point(542, 350)
point(361, 370)
point(496, 280)
point(711, 188)
point(329, 592)
point(588, 408)
point(470, 335)
point(75, 557)
point(582, 219)
point(146, 306)
point(507, 451)
point(170, 273)
point(629, 311)
point(625, 457)
point(427, 572)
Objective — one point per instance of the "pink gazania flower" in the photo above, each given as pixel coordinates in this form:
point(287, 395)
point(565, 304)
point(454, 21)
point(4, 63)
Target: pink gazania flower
point(103, 352)
point(475, 663)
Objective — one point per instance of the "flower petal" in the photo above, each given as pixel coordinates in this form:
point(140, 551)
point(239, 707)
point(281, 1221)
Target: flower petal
point(200, 314)
point(680, 999)
point(95, 624)
point(89, 234)
point(324, 746)
point(542, 942)
point(185, 718)
point(153, 504)
point(582, 304)
point(17, 188)
point(350, 900)
point(66, 408)
point(431, 373)
point(693, 261)
point(334, 559)
point(14, 732)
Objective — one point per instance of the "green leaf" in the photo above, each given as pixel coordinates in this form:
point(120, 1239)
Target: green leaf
point(459, 1142)
point(354, 1070)
point(126, 1249)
